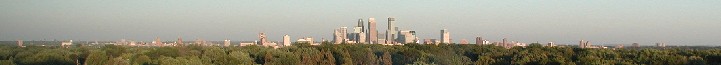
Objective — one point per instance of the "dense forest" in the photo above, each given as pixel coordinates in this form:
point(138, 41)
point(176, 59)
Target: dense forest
point(354, 54)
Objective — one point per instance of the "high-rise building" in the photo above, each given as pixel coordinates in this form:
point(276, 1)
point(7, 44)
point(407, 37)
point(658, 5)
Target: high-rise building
point(372, 31)
point(66, 43)
point(263, 39)
point(340, 36)
point(180, 41)
point(286, 40)
point(407, 36)
point(464, 41)
point(636, 45)
point(356, 36)
point(20, 43)
point(390, 32)
point(551, 44)
point(360, 24)
point(661, 44)
point(157, 42)
point(226, 43)
point(584, 44)
point(445, 36)
point(362, 37)
point(479, 40)
point(344, 33)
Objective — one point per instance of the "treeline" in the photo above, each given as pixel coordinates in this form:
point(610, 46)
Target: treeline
point(353, 54)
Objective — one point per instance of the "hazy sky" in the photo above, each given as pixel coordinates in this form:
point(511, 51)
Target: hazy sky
point(676, 22)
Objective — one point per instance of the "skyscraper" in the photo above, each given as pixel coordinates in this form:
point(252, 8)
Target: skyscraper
point(158, 42)
point(372, 32)
point(445, 36)
point(636, 45)
point(407, 36)
point(226, 43)
point(479, 40)
point(20, 43)
point(286, 40)
point(464, 41)
point(338, 36)
point(263, 39)
point(390, 32)
point(360, 24)
point(180, 41)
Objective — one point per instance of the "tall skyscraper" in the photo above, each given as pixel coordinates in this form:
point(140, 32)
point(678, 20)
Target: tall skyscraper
point(372, 32)
point(339, 36)
point(20, 43)
point(407, 36)
point(226, 43)
point(180, 41)
point(360, 24)
point(157, 42)
point(391, 32)
point(445, 36)
point(263, 39)
point(584, 44)
point(551, 44)
point(286, 40)
point(636, 45)
point(479, 40)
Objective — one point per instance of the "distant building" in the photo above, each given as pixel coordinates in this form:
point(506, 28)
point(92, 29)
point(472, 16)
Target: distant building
point(67, 43)
point(551, 44)
point(661, 44)
point(391, 31)
point(20, 43)
point(157, 42)
point(340, 35)
point(246, 43)
point(479, 41)
point(464, 41)
point(584, 44)
point(263, 40)
point(180, 41)
point(407, 36)
point(372, 31)
point(636, 45)
point(619, 46)
point(226, 43)
point(286, 40)
point(305, 40)
point(445, 36)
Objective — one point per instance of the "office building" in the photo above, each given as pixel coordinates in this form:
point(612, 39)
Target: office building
point(479, 41)
point(445, 36)
point(636, 45)
point(157, 42)
point(179, 42)
point(226, 43)
point(263, 40)
point(372, 35)
point(464, 41)
point(660, 44)
point(551, 44)
point(66, 43)
point(20, 43)
point(340, 35)
point(308, 40)
point(361, 25)
point(286, 40)
point(391, 31)
point(584, 44)
point(407, 36)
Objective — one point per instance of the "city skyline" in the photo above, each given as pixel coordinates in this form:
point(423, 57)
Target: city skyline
point(617, 22)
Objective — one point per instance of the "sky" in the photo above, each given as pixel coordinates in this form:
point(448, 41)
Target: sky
point(603, 22)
